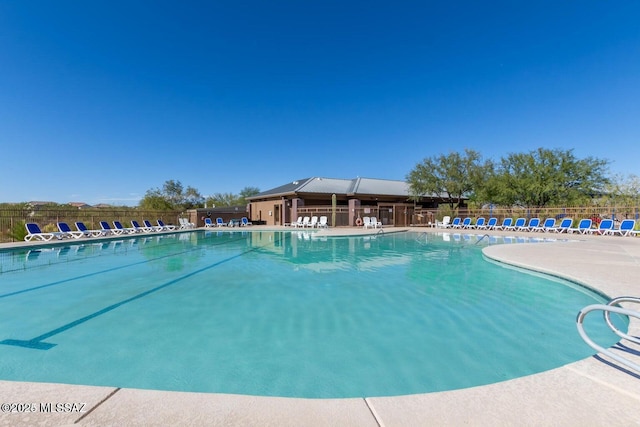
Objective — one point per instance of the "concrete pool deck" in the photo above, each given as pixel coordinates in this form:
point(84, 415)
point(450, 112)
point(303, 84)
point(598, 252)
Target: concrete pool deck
point(593, 391)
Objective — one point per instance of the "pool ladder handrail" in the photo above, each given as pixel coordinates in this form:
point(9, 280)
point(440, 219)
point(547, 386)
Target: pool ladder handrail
point(608, 308)
point(419, 236)
point(482, 238)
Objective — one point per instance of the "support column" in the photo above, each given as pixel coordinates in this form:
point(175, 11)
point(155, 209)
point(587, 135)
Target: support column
point(354, 204)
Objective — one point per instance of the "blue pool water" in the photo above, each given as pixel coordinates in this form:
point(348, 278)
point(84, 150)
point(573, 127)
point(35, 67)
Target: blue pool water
point(283, 314)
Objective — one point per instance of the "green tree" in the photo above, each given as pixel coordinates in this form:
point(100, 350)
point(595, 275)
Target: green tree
point(155, 200)
point(623, 189)
point(230, 199)
point(223, 199)
point(545, 177)
point(247, 192)
point(453, 176)
point(192, 198)
point(172, 196)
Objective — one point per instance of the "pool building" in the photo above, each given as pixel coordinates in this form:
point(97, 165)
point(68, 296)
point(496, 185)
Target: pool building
point(389, 201)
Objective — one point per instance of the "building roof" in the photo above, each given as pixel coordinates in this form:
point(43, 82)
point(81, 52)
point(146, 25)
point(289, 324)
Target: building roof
point(350, 187)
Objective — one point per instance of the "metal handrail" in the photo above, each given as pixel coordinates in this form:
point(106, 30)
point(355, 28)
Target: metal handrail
point(607, 309)
point(480, 239)
point(607, 318)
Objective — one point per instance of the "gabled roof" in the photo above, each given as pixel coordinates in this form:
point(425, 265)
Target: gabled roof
point(350, 187)
point(385, 187)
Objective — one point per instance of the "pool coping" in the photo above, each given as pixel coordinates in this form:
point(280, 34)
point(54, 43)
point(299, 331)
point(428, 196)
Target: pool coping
point(593, 391)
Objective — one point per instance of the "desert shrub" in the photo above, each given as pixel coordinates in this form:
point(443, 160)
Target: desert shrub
point(18, 231)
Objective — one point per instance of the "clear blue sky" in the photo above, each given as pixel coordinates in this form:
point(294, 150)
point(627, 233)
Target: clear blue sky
point(101, 101)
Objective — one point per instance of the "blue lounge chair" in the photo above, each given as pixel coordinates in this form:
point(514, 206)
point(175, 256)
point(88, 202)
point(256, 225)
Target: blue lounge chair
point(584, 226)
point(208, 223)
point(534, 225)
point(118, 226)
point(165, 227)
point(34, 232)
point(605, 225)
point(491, 224)
point(455, 223)
point(564, 226)
point(148, 224)
point(466, 223)
point(64, 228)
point(220, 222)
point(626, 228)
point(520, 222)
point(140, 229)
point(549, 224)
point(92, 233)
point(507, 223)
point(245, 221)
point(106, 229)
point(480, 224)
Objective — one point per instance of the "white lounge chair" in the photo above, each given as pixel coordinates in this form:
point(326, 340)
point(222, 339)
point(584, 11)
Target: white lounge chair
point(34, 232)
point(375, 223)
point(185, 224)
point(446, 221)
point(298, 223)
point(323, 222)
point(314, 222)
point(366, 222)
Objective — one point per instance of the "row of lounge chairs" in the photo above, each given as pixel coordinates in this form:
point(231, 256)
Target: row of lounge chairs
point(565, 225)
point(35, 233)
point(311, 222)
point(371, 222)
point(244, 221)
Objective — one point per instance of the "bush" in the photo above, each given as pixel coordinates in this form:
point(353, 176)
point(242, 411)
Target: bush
point(18, 231)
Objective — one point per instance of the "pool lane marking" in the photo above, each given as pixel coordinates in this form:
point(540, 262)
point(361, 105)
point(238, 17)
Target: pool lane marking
point(109, 270)
point(38, 344)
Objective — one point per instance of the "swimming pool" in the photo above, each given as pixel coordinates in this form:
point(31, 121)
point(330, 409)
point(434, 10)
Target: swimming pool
point(282, 314)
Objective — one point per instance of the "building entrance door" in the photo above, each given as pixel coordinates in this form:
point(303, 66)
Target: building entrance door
point(276, 214)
